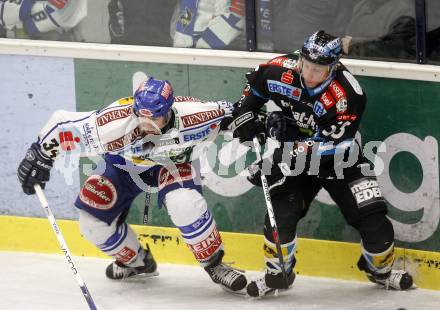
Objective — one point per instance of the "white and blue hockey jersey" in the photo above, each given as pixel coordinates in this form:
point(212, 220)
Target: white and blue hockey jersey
point(37, 16)
point(115, 131)
point(207, 23)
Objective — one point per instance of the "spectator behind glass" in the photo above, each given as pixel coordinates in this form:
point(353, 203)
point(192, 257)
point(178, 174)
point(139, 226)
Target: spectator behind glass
point(44, 20)
point(433, 28)
point(215, 24)
point(291, 21)
point(382, 29)
point(140, 22)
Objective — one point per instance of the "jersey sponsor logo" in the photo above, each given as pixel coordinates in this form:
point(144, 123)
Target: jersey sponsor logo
point(341, 106)
point(114, 115)
point(181, 173)
point(185, 98)
point(125, 255)
point(67, 140)
point(88, 136)
point(98, 192)
point(198, 135)
point(125, 100)
point(366, 191)
point(201, 117)
point(318, 109)
point(287, 77)
point(327, 100)
point(121, 142)
point(284, 89)
point(353, 82)
point(289, 63)
point(346, 117)
point(337, 90)
point(304, 120)
point(205, 248)
point(277, 61)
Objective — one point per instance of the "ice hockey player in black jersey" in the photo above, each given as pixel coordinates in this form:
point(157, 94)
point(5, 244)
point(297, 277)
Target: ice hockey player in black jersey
point(321, 107)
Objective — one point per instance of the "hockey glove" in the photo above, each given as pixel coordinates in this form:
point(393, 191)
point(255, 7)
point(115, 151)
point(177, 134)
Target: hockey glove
point(273, 175)
point(246, 124)
point(34, 169)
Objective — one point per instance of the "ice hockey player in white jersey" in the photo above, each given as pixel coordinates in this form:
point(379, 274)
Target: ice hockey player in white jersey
point(215, 24)
point(35, 17)
point(149, 139)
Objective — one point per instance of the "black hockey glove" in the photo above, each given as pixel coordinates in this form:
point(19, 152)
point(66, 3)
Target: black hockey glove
point(276, 126)
point(247, 124)
point(34, 169)
point(273, 173)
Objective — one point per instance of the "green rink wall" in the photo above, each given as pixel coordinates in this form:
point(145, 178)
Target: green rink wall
point(402, 113)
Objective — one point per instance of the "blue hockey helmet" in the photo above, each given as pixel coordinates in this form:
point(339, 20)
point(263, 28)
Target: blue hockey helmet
point(153, 98)
point(322, 48)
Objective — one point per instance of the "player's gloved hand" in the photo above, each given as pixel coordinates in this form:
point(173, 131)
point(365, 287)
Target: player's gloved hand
point(276, 126)
point(34, 169)
point(273, 174)
point(243, 124)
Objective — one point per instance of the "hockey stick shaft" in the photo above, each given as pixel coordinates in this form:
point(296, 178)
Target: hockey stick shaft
point(270, 211)
point(64, 248)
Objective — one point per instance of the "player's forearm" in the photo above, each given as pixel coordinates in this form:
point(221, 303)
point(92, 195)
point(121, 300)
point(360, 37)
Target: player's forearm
point(70, 132)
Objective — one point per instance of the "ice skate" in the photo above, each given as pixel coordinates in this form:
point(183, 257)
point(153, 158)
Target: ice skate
point(269, 284)
point(119, 271)
point(396, 280)
point(230, 279)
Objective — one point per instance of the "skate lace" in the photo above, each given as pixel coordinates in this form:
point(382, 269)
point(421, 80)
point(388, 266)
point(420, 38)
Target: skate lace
point(262, 286)
point(121, 271)
point(225, 274)
point(393, 280)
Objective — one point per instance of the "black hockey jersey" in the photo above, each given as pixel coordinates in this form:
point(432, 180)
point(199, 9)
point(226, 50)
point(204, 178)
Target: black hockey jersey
point(328, 115)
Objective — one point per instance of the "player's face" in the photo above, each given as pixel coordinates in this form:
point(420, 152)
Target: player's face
point(313, 74)
point(150, 125)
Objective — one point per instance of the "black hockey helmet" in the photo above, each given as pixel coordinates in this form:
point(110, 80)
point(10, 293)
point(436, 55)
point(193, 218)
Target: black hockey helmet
point(322, 48)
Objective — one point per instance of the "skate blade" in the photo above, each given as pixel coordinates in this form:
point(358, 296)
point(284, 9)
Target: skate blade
point(241, 292)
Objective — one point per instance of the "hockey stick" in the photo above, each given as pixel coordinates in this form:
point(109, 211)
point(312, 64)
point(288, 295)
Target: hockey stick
point(146, 207)
point(64, 248)
point(270, 212)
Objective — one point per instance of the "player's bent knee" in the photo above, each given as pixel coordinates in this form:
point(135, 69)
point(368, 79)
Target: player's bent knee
point(93, 229)
point(185, 206)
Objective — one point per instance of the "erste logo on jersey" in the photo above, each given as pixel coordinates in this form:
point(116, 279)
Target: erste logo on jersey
point(201, 117)
point(200, 134)
point(287, 77)
point(284, 89)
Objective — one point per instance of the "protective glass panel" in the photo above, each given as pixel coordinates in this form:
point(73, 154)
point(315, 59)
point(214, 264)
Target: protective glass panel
point(216, 24)
point(433, 31)
point(371, 29)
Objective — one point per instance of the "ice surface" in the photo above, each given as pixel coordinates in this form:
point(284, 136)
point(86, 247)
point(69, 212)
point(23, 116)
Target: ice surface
point(43, 281)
